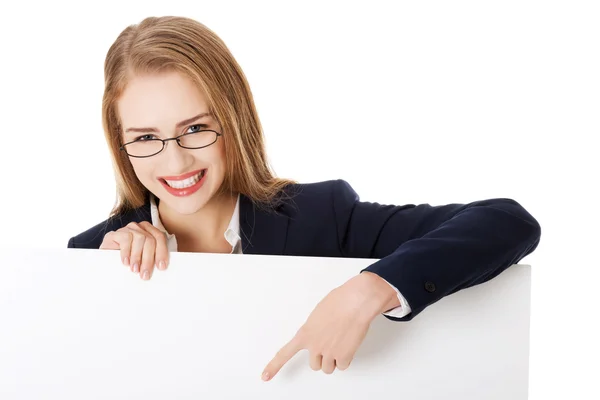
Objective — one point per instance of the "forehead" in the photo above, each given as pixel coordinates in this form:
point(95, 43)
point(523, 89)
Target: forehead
point(160, 100)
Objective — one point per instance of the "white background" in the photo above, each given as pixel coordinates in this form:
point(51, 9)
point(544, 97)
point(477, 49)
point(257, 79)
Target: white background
point(411, 102)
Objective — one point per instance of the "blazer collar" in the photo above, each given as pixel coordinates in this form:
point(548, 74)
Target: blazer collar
point(262, 231)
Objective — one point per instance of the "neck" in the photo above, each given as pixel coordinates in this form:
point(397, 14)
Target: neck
point(207, 224)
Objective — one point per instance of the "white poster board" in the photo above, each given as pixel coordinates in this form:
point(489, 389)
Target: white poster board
point(76, 324)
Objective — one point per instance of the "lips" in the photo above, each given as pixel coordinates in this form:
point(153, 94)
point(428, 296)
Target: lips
point(189, 180)
point(180, 177)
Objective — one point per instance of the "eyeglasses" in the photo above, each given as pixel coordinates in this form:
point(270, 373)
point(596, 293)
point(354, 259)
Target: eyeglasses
point(142, 148)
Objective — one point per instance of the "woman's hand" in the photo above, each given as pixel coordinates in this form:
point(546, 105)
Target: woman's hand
point(142, 246)
point(338, 324)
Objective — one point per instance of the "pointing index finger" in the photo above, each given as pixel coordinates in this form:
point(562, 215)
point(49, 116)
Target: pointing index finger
point(281, 358)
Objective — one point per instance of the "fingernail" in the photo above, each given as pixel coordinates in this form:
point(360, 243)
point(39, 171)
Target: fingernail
point(265, 376)
point(146, 275)
point(135, 268)
point(126, 261)
point(161, 265)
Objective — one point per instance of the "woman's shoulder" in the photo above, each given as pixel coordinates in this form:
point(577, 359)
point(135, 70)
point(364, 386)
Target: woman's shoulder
point(318, 195)
point(92, 237)
point(321, 188)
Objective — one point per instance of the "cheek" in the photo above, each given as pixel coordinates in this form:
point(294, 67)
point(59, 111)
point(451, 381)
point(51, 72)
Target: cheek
point(217, 155)
point(142, 169)
point(217, 161)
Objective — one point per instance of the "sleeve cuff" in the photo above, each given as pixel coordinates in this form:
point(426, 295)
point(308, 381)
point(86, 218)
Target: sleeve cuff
point(402, 310)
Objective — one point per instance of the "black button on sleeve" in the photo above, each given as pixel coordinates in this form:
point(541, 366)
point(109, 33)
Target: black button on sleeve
point(430, 286)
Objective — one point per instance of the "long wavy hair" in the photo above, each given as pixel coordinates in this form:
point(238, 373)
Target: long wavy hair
point(161, 44)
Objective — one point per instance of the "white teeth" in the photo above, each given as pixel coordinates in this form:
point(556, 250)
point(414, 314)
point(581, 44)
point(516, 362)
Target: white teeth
point(186, 182)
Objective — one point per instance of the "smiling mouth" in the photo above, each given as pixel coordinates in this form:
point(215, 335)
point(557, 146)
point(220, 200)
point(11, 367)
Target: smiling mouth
point(185, 183)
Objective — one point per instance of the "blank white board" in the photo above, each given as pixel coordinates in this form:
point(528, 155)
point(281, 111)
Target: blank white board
point(77, 324)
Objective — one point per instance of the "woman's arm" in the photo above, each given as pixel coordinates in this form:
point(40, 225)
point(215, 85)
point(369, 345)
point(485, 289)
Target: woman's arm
point(428, 252)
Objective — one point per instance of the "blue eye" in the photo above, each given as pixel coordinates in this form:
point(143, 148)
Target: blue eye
point(144, 138)
point(196, 128)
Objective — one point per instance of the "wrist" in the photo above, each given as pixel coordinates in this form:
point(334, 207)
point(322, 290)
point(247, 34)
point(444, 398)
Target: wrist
point(379, 296)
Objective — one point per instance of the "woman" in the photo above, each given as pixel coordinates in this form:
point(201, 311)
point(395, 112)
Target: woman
point(192, 175)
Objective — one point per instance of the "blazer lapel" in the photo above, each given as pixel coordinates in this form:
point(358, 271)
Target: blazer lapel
point(262, 232)
point(143, 214)
point(136, 215)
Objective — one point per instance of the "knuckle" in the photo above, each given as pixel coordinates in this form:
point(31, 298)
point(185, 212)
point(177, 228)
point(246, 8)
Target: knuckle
point(146, 226)
point(137, 235)
point(128, 239)
point(108, 235)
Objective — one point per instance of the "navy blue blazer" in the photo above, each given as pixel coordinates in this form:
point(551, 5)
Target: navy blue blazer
point(425, 251)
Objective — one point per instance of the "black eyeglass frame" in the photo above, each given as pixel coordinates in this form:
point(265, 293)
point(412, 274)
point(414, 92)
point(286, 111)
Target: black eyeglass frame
point(177, 139)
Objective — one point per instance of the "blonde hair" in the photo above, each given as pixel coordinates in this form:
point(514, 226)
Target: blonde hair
point(159, 44)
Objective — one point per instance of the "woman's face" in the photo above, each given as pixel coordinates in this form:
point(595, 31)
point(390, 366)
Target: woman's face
point(164, 106)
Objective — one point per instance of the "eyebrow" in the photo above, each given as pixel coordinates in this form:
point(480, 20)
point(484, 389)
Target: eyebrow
point(180, 124)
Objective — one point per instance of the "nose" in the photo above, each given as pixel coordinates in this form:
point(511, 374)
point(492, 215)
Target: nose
point(178, 159)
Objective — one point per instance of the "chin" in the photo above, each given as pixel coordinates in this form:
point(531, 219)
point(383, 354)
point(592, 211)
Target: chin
point(186, 207)
point(190, 204)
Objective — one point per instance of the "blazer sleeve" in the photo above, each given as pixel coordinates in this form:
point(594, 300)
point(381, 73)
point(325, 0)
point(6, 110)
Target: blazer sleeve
point(428, 252)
